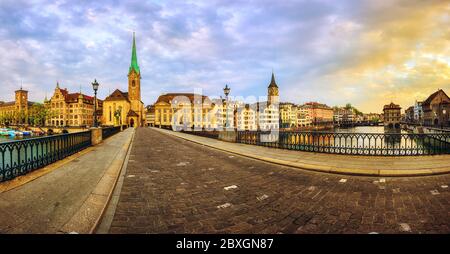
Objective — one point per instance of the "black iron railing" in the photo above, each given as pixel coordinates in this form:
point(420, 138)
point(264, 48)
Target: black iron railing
point(204, 133)
point(384, 144)
point(22, 156)
point(109, 131)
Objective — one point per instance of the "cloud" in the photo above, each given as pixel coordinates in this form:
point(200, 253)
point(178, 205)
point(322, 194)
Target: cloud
point(364, 52)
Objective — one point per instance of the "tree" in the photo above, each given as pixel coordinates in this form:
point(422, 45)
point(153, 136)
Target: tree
point(38, 113)
point(349, 106)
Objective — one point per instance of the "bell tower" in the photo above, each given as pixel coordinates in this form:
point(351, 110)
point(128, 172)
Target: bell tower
point(21, 104)
point(21, 99)
point(134, 76)
point(272, 92)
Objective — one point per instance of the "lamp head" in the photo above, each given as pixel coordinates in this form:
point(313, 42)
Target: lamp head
point(95, 85)
point(226, 90)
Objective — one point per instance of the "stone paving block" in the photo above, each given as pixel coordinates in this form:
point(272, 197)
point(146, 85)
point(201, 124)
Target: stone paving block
point(184, 199)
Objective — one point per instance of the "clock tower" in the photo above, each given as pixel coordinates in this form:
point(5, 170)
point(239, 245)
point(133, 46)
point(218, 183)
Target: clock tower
point(135, 115)
point(272, 92)
point(134, 75)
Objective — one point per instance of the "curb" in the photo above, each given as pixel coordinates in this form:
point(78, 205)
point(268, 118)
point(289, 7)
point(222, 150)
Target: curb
point(322, 169)
point(88, 217)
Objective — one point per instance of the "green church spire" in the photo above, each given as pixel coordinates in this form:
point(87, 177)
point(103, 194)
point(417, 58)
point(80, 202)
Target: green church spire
point(134, 63)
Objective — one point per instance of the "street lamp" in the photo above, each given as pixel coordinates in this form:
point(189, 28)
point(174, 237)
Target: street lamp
point(443, 118)
point(95, 87)
point(226, 91)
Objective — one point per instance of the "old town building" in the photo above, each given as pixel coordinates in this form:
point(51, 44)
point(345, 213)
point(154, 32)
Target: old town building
point(392, 115)
point(246, 118)
point(409, 115)
point(436, 110)
point(71, 109)
point(150, 115)
point(288, 115)
point(184, 111)
point(16, 112)
point(372, 117)
point(418, 112)
point(126, 108)
point(195, 111)
point(320, 114)
point(344, 116)
point(303, 117)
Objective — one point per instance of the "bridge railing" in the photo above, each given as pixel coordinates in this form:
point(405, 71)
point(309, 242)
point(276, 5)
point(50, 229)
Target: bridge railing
point(19, 157)
point(109, 131)
point(382, 144)
point(204, 133)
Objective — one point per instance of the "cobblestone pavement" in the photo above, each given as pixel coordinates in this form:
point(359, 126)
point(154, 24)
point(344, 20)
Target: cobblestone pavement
point(176, 186)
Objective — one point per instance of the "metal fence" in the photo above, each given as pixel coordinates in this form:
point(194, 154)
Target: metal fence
point(207, 134)
point(109, 131)
point(22, 156)
point(384, 144)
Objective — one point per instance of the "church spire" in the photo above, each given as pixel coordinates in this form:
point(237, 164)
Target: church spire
point(134, 63)
point(272, 82)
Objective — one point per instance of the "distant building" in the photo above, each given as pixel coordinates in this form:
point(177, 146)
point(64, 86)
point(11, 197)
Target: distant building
point(199, 111)
point(16, 112)
point(436, 110)
point(72, 109)
point(221, 115)
point(372, 117)
point(409, 115)
point(320, 114)
point(246, 118)
point(184, 110)
point(392, 115)
point(418, 112)
point(263, 115)
point(343, 116)
point(303, 117)
point(150, 115)
point(288, 115)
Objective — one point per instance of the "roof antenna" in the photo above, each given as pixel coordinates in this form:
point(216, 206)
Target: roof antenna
point(21, 84)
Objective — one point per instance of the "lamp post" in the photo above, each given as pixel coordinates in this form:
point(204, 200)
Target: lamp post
point(95, 87)
point(443, 118)
point(226, 91)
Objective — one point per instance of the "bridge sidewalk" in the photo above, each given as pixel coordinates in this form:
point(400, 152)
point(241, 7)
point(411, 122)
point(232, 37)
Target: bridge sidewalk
point(70, 197)
point(332, 163)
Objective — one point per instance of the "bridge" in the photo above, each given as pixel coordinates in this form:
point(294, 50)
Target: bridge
point(158, 181)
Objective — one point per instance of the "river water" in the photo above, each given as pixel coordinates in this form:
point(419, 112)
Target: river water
point(8, 138)
point(368, 129)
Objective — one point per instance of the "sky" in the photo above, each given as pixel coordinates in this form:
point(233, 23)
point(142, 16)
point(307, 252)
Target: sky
point(367, 53)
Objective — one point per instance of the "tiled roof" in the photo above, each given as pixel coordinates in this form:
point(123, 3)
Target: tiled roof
point(391, 106)
point(9, 103)
point(132, 113)
point(182, 97)
point(432, 96)
point(117, 95)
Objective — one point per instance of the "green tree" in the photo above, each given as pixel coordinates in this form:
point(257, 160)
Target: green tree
point(38, 113)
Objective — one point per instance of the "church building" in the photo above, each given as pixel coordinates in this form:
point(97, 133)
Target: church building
point(126, 108)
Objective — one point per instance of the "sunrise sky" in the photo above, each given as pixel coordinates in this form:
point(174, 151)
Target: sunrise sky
point(368, 53)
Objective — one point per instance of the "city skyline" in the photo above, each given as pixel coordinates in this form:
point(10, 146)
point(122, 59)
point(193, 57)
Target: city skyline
point(307, 45)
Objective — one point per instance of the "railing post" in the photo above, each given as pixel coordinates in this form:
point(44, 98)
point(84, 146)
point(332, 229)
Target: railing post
point(96, 135)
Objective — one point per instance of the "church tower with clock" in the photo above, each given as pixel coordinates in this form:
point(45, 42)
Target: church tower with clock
point(126, 108)
point(134, 75)
point(136, 113)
